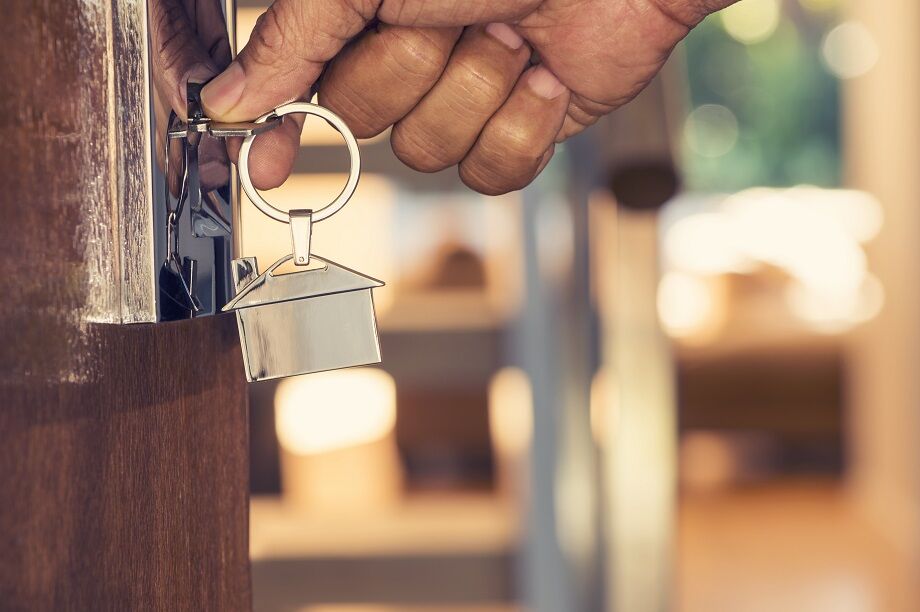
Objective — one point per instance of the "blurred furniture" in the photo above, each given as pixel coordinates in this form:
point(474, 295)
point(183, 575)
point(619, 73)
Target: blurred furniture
point(442, 551)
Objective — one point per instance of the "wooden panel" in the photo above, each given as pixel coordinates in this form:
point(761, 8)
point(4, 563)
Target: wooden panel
point(123, 449)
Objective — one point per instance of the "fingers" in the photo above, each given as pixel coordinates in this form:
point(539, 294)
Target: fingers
point(377, 80)
point(211, 27)
point(517, 141)
point(271, 159)
point(177, 54)
point(453, 12)
point(581, 114)
point(285, 55)
point(481, 73)
point(293, 39)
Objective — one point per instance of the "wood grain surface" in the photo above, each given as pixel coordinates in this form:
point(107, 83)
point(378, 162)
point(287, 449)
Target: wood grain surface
point(123, 449)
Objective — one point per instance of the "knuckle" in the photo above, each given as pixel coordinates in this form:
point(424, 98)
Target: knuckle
point(273, 34)
point(514, 141)
point(482, 84)
point(414, 52)
point(416, 148)
point(269, 34)
point(362, 118)
point(679, 12)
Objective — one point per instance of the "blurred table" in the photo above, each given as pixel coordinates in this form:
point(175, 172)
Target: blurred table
point(431, 552)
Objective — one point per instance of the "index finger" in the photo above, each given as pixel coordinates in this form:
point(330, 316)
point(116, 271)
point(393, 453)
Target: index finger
point(294, 39)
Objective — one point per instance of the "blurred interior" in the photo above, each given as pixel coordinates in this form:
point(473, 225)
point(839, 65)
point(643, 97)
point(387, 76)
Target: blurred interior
point(676, 373)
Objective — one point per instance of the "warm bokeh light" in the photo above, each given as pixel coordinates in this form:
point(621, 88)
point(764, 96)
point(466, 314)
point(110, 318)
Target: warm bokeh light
point(813, 235)
point(510, 411)
point(329, 411)
point(704, 243)
point(836, 313)
point(850, 50)
point(687, 305)
point(751, 21)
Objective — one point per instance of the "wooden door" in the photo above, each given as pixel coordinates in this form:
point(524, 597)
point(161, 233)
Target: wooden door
point(123, 448)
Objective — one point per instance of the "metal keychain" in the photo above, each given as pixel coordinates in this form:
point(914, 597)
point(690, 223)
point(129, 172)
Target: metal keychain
point(309, 320)
point(177, 276)
point(177, 273)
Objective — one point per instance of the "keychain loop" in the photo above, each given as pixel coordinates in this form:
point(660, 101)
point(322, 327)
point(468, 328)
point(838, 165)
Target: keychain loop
point(350, 141)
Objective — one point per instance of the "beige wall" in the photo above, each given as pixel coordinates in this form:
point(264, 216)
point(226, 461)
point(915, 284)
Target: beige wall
point(882, 135)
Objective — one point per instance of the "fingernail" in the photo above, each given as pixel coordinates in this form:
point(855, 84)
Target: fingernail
point(505, 34)
point(544, 83)
point(221, 95)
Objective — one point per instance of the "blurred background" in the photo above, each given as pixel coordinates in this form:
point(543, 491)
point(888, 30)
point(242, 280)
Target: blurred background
point(676, 373)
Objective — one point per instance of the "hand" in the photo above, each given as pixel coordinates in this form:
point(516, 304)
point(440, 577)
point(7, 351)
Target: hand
point(189, 43)
point(452, 77)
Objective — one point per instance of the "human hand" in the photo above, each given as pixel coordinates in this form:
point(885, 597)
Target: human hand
point(189, 42)
point(452, 77)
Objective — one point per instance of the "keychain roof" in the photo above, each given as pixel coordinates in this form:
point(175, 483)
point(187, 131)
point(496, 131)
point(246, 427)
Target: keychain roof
point(269, 288)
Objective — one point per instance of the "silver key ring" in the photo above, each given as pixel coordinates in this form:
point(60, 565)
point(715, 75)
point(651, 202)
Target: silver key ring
point(353, 174)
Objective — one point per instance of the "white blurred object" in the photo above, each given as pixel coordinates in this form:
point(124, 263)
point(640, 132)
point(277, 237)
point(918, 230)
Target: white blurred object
point(850, 50)
point(511, 429)
point(711, 130)
point(814, 235)
point(751, 21)
point(688, 305)
point(336, 431)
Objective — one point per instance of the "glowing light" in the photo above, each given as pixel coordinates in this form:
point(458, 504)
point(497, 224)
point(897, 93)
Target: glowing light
point(772, 227)
point(711, 130)
point(857, 213)
point(511, 411)
point(751, 21)
point(850, 50)
point(830, 313)
point(703, 243)
point(686, 304)
point(812, 234)
point(329, 411)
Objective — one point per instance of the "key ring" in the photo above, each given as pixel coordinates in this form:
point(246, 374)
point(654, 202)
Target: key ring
point(350, 141)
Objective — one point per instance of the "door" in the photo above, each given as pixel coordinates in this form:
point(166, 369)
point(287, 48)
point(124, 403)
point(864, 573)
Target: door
point(123, 448)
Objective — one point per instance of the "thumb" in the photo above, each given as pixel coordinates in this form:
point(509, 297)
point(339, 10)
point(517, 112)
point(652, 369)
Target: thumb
point(294, 39)
point(289, 46)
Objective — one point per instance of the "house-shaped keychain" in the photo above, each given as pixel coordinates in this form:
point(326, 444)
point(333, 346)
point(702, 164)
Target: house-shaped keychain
point(306, 321)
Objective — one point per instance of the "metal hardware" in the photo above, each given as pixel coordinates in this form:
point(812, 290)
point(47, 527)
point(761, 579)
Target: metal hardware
point(340, 126)
point(307, 321)
point(301, 232)
point(178, 240)
point(178, 278)
point(199, 123)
